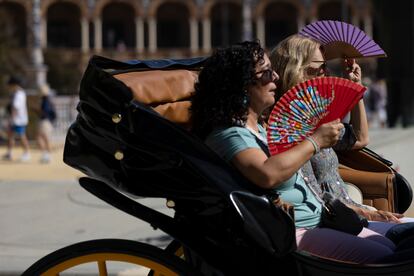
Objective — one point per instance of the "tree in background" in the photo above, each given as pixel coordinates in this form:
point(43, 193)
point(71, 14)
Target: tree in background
point(12, 58)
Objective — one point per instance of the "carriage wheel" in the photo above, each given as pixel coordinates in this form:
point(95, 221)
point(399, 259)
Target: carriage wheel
point(121, 254)
point(175, 248)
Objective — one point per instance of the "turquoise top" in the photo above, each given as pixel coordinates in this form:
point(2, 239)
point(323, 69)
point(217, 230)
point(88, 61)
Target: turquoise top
point(227, 142)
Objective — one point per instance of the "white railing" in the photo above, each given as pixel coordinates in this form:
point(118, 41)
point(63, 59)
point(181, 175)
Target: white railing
point(66, 115)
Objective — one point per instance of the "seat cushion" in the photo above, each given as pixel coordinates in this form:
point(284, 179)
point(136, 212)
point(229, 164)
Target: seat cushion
point(167, 91)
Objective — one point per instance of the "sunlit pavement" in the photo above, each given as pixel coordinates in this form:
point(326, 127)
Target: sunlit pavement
point(42, 208)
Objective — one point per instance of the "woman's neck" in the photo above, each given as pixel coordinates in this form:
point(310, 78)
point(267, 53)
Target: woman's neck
point(252, 120)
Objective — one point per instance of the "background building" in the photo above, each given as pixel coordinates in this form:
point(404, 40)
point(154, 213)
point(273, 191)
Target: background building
point(70, 31)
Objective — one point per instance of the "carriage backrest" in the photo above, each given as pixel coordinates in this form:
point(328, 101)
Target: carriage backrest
point(167, 91)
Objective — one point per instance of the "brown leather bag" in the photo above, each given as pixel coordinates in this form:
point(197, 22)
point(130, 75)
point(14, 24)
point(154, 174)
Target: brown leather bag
point(377, 180)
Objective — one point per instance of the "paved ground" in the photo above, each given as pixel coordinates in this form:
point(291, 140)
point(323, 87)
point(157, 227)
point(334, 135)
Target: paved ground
point(40, 217)
point(34, 170)
point(42, 208)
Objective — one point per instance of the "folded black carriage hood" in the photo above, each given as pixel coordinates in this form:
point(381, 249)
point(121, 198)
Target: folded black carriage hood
point(160, 159)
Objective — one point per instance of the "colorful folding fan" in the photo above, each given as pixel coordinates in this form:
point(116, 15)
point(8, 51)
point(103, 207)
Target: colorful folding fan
point(307, 105)
point(342, 40)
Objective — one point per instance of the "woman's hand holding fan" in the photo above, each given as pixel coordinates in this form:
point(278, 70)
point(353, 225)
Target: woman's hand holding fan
point(327, 134)
point(308, 105)
point(353, 70)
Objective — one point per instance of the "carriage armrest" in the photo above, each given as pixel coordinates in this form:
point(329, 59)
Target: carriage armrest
point(376, 187)
point(271, 227)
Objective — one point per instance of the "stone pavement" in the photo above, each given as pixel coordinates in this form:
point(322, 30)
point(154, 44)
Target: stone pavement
point(42, 208)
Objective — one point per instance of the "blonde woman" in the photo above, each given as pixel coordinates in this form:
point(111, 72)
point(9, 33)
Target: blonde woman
point(296, 59)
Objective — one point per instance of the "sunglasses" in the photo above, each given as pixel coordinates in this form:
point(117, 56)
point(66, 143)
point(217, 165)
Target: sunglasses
point(266, 77)
point(317, 71)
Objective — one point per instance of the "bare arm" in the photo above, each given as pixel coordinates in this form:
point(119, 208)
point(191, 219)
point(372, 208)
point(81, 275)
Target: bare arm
point(377, 215)
point(358, 115)
point(13, 112)
point(269, 172)
point(360, 125)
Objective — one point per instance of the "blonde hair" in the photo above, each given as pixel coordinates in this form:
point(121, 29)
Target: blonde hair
point(289, 59)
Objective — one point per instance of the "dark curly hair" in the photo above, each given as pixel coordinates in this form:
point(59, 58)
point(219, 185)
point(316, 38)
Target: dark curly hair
point(220, 98)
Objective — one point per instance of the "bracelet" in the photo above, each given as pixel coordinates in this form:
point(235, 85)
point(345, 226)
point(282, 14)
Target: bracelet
point(315, 145)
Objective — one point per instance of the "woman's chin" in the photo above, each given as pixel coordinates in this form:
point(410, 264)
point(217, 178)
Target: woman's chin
point(270, 103)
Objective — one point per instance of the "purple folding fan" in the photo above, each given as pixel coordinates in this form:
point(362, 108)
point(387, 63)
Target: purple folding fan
point(342, 40)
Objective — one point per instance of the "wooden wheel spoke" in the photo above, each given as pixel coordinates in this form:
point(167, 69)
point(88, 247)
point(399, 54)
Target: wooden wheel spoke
point(102, 268)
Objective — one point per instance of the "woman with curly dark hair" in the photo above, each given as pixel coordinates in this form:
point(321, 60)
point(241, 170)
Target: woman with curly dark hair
point(221, 93)
point(235, 86)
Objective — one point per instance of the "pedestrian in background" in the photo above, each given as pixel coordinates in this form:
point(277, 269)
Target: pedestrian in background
point(47, 115)
point(18, 119)
point(377, 102)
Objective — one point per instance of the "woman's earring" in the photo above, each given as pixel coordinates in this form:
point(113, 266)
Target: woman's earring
point(245, 98)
